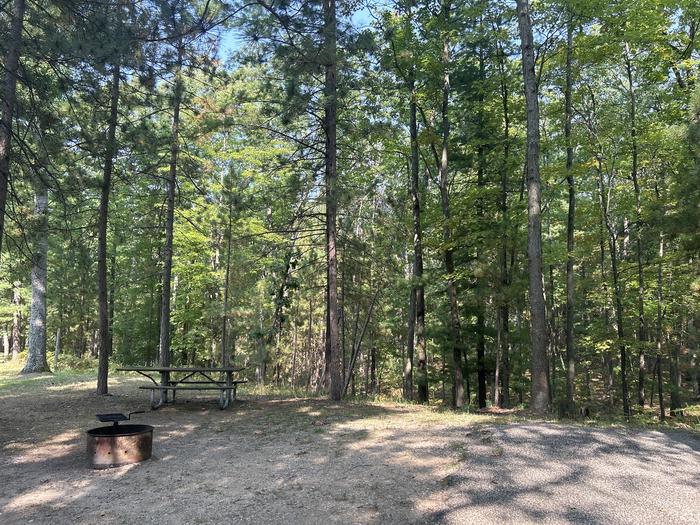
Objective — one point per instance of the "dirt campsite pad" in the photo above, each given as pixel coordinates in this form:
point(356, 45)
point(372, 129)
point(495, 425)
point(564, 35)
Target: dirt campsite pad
point(312, 461)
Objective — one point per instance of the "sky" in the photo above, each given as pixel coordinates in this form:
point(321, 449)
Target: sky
point(231, 39)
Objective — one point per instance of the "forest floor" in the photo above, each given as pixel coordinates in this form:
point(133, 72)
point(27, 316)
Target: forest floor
point(312, 461)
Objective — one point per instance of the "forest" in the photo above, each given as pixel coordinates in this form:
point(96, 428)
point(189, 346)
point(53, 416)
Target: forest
point(475, 203)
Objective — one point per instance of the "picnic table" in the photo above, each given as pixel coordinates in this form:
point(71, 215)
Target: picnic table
point(173, 378)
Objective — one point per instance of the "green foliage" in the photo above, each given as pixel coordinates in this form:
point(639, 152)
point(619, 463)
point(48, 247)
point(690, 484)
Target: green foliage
point(249, 247)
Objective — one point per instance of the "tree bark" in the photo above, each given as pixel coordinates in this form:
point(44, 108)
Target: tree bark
point(36, 360)
point(642, 329)
point(331, 175)
point(225, 361)
point(570, 222)
point(612, 246)
point(14, 44)
point(417, 287)
point(455, 328)
point(410, 345)
point(57, 348)
point(659, 376)
point(659, 332)
point(5, 345)
point(16, 319)
point(102, 293)
point(538, 334)
point(505, 276)
point(164, 344)
point(480, 313)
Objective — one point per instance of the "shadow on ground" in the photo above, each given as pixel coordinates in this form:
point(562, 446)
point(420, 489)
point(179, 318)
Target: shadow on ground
point(313, 461)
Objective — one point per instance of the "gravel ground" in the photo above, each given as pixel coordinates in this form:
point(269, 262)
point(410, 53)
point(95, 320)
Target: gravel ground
point(546, 473)
point(310, 461)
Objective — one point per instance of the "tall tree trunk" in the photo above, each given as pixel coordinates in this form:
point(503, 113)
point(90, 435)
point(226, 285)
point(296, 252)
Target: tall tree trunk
point(16, 319)
point(607, 356)
point(675, 380)
point(642, 329)
point(505, 276)
point(36, 360)
point(225, 361)
point(417, 287)
point(14, 44)
point(102, 293)
point(538, 334)
point(455, 328)
point(480, 314)
point(295, 348)
point(331, 172)
point(659, 319)
point(57, 348)
point(612, 246)
point(659, 376)
point(164, 344)
point(5, 345)
point(410, 344)
point(570, 349)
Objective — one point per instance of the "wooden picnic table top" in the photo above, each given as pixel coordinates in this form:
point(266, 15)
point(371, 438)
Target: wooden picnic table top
point(179, 369)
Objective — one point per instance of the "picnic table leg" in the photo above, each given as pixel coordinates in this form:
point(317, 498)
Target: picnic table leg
point(155, 405)
point(223, 400)
point(229, 383)
point(164, 381)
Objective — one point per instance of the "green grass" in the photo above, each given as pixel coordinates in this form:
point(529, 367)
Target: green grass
point(364, 408)
point(11, 379)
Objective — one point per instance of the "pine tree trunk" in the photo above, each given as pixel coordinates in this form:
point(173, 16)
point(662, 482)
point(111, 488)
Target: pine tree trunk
point(16, 319)
point(36, 360)
point(102, 293)
point(331, 167)
point(570, 349)
point(538, 334)
point(14, 44)
point(164, 343)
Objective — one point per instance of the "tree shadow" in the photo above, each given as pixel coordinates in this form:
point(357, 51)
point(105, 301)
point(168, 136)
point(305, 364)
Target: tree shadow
point(314, 461)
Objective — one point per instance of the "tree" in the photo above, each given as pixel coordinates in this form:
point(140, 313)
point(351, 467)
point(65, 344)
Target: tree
point(110, 149)
point(36, 359)
point(8, 104)
point(570, 223)
point(540, 384)
point(331, 167)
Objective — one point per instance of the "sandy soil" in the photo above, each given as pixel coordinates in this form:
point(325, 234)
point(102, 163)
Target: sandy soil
point(311, 461)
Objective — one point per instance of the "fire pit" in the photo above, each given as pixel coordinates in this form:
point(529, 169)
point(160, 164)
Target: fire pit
point(118, 445)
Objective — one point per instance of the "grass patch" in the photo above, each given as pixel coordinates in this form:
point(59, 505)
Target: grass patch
point(11, 379)
point(312, 411)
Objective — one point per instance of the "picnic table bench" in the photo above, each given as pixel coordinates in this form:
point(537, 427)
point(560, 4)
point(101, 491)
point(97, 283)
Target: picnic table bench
point(174, 378)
